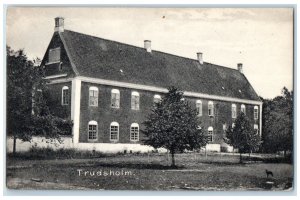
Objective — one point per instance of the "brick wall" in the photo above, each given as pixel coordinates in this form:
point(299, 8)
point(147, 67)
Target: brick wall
point(104, 114)
point(56, 95)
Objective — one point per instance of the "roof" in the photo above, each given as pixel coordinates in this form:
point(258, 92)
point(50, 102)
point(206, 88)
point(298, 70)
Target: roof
point(110, 60)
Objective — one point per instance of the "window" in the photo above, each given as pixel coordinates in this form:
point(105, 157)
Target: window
point(243, 109)
point(199, 107)
point(224, 126)
point(256, 128)
point(157, 98)
point(115, 98)
point(255, 112)
point(210, 131)
point(93, 96)
point(92, 131)
point(65, 95)
point(114, 131)
point(210, 108)
point(60, 67)
point(135, 101)
point(233, 111)
point(54, 55)
point(134, 132)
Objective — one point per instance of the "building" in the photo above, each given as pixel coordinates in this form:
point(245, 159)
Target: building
point(109, 87)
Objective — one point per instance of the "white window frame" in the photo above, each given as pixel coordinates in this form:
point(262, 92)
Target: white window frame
point(233, 111)
point(93, 98)
point(134, 138)
point(115, 102)
point(243, 109)
point(135, 100)
point(255, 112)
point(114, 124)
point(92, 123)
point(199, 107)
point(210, 108)
point(210, 133)
point(156, 98)
point(63, 96)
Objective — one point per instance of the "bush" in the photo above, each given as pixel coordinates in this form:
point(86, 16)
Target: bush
point(37, 153)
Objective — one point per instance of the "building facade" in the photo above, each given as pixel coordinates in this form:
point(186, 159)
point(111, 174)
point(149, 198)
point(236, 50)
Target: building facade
point(108, 88)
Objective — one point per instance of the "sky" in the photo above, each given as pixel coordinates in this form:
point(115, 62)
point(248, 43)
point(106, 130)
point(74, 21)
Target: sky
point(260, 38)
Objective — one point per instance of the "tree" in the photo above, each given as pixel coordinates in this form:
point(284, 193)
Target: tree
point(243, 136)
point(173, 124)
point(278, 123)
point(27, 110)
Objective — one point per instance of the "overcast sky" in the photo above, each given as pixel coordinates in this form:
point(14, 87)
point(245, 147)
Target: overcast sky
point(260, 38)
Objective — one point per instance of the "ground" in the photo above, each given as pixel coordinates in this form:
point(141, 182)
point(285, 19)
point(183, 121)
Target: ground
point(148, 172)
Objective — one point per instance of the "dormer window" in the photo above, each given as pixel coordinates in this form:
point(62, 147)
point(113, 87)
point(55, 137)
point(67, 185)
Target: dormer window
point(54, 55)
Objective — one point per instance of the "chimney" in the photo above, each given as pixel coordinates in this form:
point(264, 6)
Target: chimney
point(200, 58)
point(59, 24)
point(147, 45)
point(240, 67)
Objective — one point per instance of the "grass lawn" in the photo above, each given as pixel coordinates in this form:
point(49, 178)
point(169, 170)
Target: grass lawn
point(143, 172)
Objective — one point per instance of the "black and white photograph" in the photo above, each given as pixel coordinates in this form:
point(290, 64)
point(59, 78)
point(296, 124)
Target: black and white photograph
point(149, 98)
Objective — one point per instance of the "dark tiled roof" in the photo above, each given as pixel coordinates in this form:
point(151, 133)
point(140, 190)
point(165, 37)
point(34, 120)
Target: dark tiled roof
point(100, 58)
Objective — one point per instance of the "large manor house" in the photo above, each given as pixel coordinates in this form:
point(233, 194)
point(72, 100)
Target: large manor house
point(108, 88)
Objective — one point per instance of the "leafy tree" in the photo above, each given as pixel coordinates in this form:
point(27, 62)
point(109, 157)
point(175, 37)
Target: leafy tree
point(243, 136)
point(278, 123)
point(27, 110)
point(173, 124)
